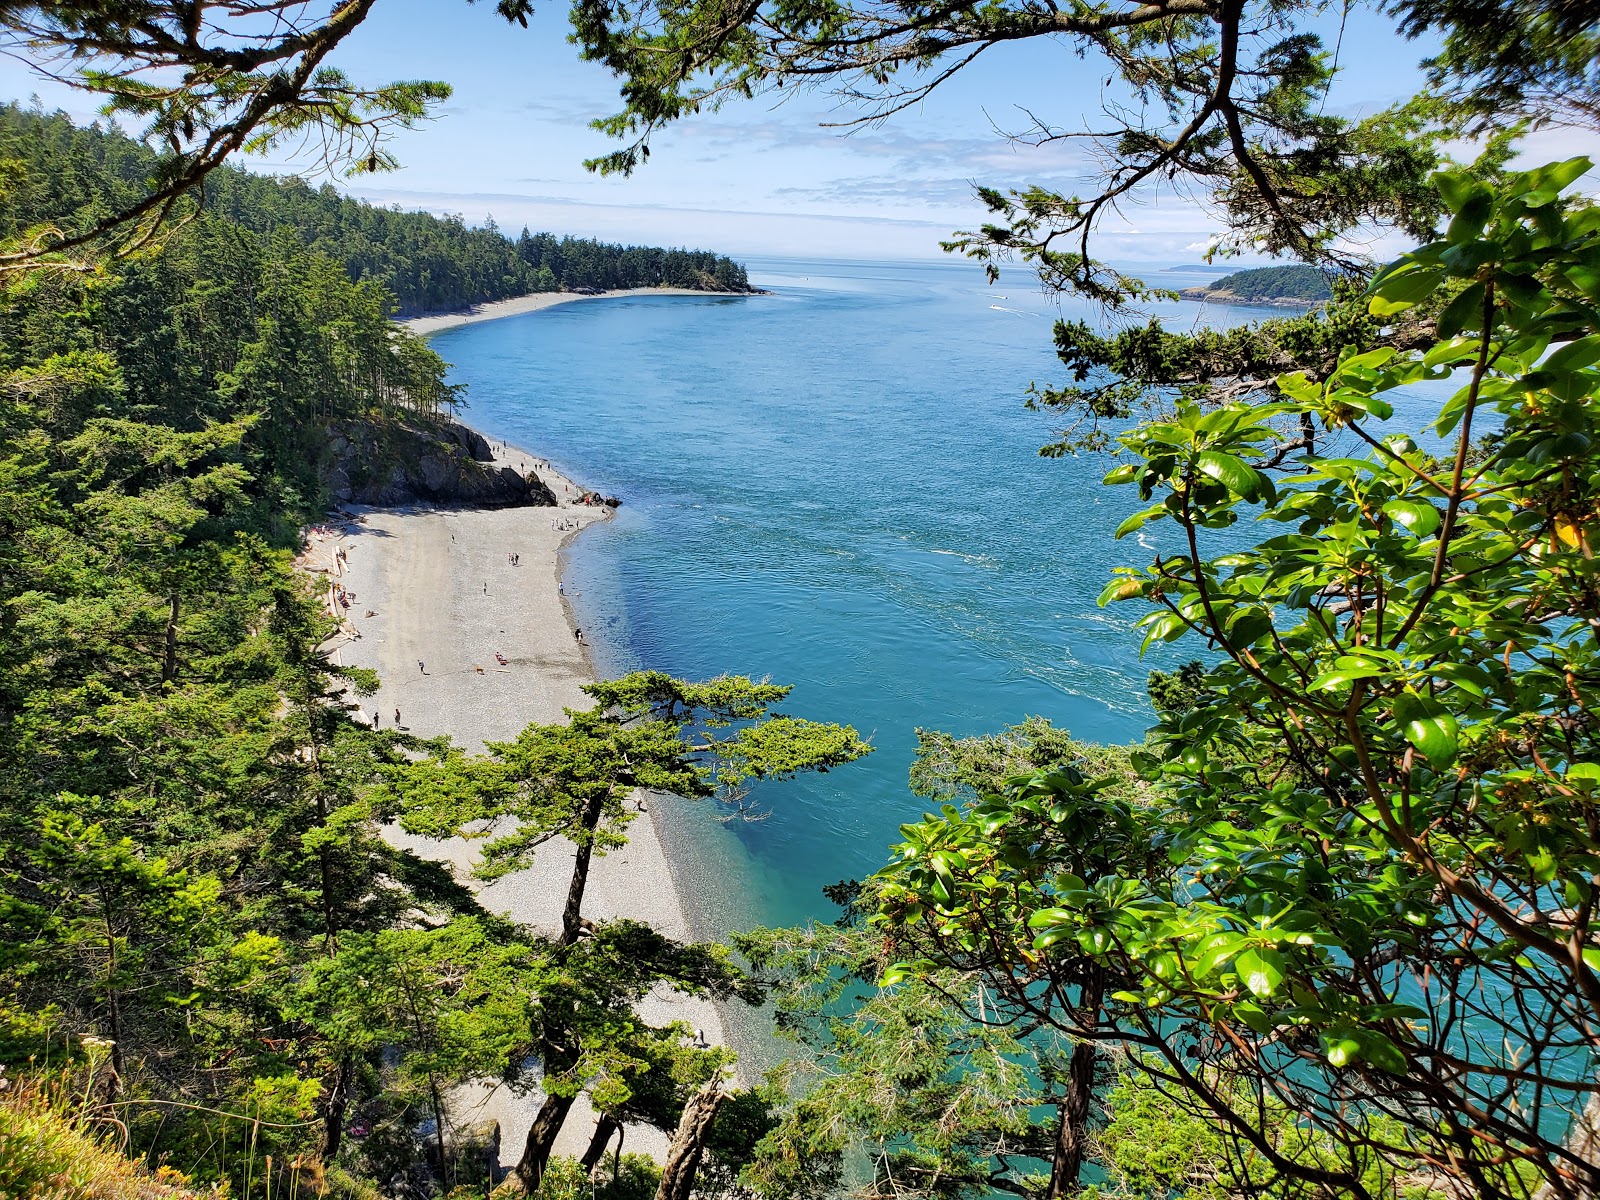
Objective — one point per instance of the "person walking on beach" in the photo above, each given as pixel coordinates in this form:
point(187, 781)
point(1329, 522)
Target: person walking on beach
point(397, 718)
point(421, 670)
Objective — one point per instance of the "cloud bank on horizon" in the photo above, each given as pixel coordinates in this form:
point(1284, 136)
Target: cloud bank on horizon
point(760, 178)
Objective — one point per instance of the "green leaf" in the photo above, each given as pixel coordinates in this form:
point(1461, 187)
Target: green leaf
point(1402, 289)
point(1341, 1049)
point(1260, 970)
point(1126, 473)
point(1138, 519)
point(1121, 588)
point(1233, 473)
point(1574, 356)
point(1164, 627)
point(1418, 517)
point(1345, 673)
point(1462, 313)
point(1428, 726)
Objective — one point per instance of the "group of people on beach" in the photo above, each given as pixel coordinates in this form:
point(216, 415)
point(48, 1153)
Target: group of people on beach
point(343, 599)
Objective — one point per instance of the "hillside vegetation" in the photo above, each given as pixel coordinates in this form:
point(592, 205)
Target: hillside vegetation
point(70, 174)
point(1276, 283)
point(197, 910)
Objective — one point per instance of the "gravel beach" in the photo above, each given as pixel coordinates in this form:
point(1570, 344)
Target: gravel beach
point(436, 597)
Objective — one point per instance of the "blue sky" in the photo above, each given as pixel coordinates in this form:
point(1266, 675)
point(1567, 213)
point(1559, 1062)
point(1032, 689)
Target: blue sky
point(758, 177)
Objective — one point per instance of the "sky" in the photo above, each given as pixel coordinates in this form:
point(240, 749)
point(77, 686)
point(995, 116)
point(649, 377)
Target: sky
point(759, 177)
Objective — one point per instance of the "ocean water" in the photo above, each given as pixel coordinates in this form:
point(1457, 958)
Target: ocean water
point(837, 486)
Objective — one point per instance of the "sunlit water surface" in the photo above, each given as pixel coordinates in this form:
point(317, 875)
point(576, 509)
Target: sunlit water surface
point(837, 486)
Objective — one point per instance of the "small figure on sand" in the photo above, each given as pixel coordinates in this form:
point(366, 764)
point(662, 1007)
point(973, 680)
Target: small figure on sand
point(501, 658)
point(397, 718)
point(486, 589)
point(421, 670)
point(578, 633)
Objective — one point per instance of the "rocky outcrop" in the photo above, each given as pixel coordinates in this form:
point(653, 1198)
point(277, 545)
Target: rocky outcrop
point(437, 462)
point(1225, 296)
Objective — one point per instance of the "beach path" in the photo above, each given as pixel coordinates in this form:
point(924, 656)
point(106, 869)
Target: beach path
point(441, 590)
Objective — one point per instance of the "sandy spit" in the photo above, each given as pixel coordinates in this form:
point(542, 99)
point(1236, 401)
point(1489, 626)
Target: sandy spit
point(518, 305)
point(434, 598)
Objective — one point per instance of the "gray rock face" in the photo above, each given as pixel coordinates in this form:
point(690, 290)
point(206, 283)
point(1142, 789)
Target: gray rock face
point(439, 462)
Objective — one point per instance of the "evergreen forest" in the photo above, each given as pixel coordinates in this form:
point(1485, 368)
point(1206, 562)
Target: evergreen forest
point(70, 175)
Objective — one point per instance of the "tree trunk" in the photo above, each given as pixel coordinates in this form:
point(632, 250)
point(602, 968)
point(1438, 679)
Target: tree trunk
point(438, 1129)
point(572, 914)
point(541, 1141)
point(689, 1142)
point(338, 1102)
point(1072, 1134)
point(603, 1129)
point(169, 659)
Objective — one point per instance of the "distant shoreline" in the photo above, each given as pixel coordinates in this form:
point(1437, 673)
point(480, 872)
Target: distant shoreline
point(1205, 295)
point(494, 310)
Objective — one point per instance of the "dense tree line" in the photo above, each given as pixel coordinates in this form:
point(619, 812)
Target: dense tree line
point(202, 935)
point(73, 175)
point(1276, 283)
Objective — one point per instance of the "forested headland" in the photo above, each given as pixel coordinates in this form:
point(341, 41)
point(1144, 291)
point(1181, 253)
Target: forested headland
point(68, 174)
point(1295, 285)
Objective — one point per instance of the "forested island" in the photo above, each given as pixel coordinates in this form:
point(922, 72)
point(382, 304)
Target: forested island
point(1294, 286)
point(425, 263)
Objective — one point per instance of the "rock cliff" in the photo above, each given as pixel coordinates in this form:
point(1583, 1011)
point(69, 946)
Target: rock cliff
point(437, 462)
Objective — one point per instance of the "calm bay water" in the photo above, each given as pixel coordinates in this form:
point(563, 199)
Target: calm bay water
point(837, 486)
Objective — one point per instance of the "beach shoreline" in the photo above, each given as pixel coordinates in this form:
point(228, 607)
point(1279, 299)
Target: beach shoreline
point(465, 616)
point(495, 310)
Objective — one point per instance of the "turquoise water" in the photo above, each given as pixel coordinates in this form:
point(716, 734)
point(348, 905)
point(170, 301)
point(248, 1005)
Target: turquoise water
point(837, 486)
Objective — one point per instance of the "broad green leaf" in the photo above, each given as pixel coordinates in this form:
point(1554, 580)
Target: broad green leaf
point(1121, 588)
point(1138, 519)
point(1417, 516)
point(1260, 970)
point(1428, 726)
point(1401, 290)
point(1342, 1050)
point(1574, 356)
point(1345, 673)
point(1234, 474)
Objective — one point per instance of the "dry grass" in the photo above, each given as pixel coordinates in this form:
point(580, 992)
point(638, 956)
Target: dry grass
point(48, 1154)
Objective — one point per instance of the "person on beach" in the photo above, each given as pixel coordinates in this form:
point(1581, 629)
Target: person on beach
point(421, 670)
point(486, 589)
point(397, 718)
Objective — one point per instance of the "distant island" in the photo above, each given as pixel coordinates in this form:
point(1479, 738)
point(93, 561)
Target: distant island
point(1286, 287)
